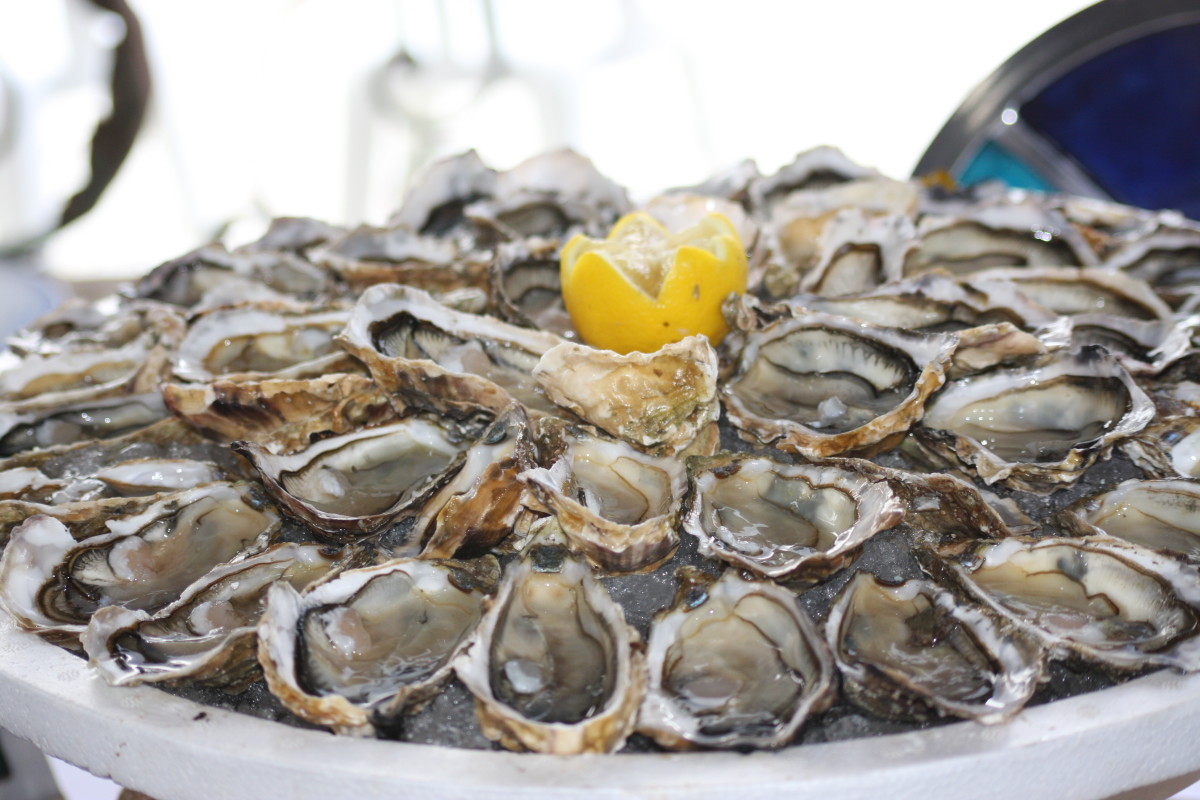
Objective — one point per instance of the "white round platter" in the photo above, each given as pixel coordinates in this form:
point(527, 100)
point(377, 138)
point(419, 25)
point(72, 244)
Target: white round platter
point(1139, 737)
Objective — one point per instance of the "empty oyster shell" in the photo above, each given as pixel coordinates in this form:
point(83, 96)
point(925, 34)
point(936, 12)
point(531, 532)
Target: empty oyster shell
point(660, 399)
point(356, 651)
point(1158, 514)
point(208, 636)
point(1113, 603)
point(430, 356)
point(1036, 427)
point(553, 665)
point(52, 583)
point(783, 520)
point(733, 664)
point(821, 385)
point(916, 651)
point(618, 506)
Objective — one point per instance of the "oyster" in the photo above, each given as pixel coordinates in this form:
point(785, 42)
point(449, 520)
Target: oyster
point(206, 637)
point(429, 356)
point(1113, 603)
point(282, 414)
point(1167, 448)
point(1036, 427)
point(53, 583)
point(1158, 514)
point(733, 664)
point(1001, 233)
point(654, 400)
point(526, 286)
point(89, 419)
point(356, 651)
point(457, 485)
point(821, 385)
point(80, 375)
point(859, 252)
point(435, 202)
point(916, 651)
point(261, 340)
point(553, 665)
point(366, 256)
point(618, 506)
point(784, 520)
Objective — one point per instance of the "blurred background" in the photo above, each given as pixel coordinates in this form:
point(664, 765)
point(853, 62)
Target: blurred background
point(324, 108)
point(249, 109)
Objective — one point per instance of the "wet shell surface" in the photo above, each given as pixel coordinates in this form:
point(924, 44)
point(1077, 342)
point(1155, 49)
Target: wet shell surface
point(734, 663)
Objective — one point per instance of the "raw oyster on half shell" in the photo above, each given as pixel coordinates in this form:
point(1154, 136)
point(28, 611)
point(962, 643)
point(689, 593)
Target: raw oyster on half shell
point(354, 652)
point(553, 665)
point(917, 651)
point(1158, 514)
point(733, 663)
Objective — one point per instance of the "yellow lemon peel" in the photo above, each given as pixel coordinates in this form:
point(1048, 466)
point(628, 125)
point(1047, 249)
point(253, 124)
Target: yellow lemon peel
point(644, 287)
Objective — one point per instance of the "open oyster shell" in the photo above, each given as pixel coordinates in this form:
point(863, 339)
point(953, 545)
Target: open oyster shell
point(429, 356)
point(438, 474)
point(1167, 448)
point(783, 520)
point(654, 400)
point(258, 340)
point(553, 665)
point(52, 583)
point(354, 652)
point(733, 663)
point(208, 636)
point(821, 385)
point(1158, 514)
point(1036, 428)
point(1113, 603)
point(367, 256)
point(917, 651)
point(68, 424)
point(526, 286)
point(618, 506)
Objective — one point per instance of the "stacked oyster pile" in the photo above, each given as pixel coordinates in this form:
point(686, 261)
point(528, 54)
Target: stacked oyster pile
point(950, 446)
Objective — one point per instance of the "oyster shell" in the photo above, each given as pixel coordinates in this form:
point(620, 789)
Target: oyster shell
point(354, 652)
point(1167, 448)
point(281, 414)
point(526, 286)
point(89, 419)
point(859, 252)
point(1158, 514)
point(367, 256)
point(785, 520)
point(916, 651)
point(618, 506)
point(457, 485)
point(553, 665)
point(52, 583)
point(207, 637)
point(1113, 603)
point(654, 400)
point(429, 356)
point(1036, 427)
point(259, 340)
point(821, 385)
point(733, 664)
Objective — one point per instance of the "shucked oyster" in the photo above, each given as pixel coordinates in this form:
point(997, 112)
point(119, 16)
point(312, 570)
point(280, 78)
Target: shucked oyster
point(88, 419)
point(1160, 515)
point(618, 506)
point(52, 583)
point(821, 385)
point(1110, 602)
point(915, 650)
point(553, 666)
point(1036, 427)
point(457, 484)
point(782, 520)
point(356, 651)
point(733, 663)
point(207, 636)
point(429, 356)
